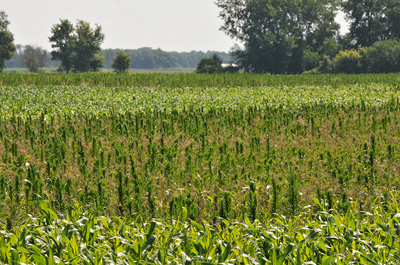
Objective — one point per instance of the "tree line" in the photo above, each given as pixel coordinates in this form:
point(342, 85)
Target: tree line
point(148, 58)
point(278, 37)
point(77, 49)
point(142, 58)
point(21, 51)
point(294, 36)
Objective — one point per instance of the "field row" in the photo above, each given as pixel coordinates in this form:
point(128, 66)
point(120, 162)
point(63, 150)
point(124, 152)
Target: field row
point(51, 101)
point(193, 80)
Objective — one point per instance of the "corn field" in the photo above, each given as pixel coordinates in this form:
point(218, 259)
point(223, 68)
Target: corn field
point(205, 174)
point(173, 80)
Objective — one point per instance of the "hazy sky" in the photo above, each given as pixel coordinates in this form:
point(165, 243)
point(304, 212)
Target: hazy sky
point(172, 25)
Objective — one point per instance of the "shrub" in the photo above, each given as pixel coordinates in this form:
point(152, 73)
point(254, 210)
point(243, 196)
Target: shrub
point(210, 65)
point(384, 57)
point(121, 62)
point(347, 62)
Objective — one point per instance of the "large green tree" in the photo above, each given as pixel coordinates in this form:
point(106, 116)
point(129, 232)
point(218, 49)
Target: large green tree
point(64, 41)
point(276, 33)
point(7, 47)
point(77, 47)
point(87, 47)
point(372, 20)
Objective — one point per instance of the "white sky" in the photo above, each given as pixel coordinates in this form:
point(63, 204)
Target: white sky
point(172, 25)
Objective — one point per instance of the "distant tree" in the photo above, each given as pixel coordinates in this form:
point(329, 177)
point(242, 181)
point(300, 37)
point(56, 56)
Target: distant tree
point(78, 48)
point(121, 62)
point(143, 58)
point(64, 41)
point(146, 60)
point(34, 58)
point(210, 65)
point(16, 60)
point(7, 48)
point(87, 47)
point(164, 59)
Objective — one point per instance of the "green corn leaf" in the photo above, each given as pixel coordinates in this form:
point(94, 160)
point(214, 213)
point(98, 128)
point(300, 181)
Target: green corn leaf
point(148, 243)
point(312, 234)
point(151, 230)
point(225, 254)
point(39, 259)
point(50, 259)
point(326, 260)
point(286, 252)
point(184, 214)
point(369, 260)
point(298, 258)
point(14, 257)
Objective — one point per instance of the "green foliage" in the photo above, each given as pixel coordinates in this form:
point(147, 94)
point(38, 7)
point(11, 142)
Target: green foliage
point(16, 60)
point(34, 58)
point(273, 41)
point(310, 60)
point(372, 20)
point(329, 48)
point(86, 46)
point(78, 47)
point(296, 173)
point(63, 40)
point(121, 62)
point(62, 100)
point(148, 58)
point(348, 62)
point(7, 48)
point(325, 65)
point(210, 65)
point(383, 57)
point(82, 238)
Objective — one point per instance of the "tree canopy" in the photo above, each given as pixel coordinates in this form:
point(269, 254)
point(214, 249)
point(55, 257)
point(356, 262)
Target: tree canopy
point(34, 58)
point(275, 33)
point(7, 47)
point(210, 65)
point(148, 58)
point(293, 36)
point(372, 20)
point(121, 62)
point(63, 40)
point(77, 47)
